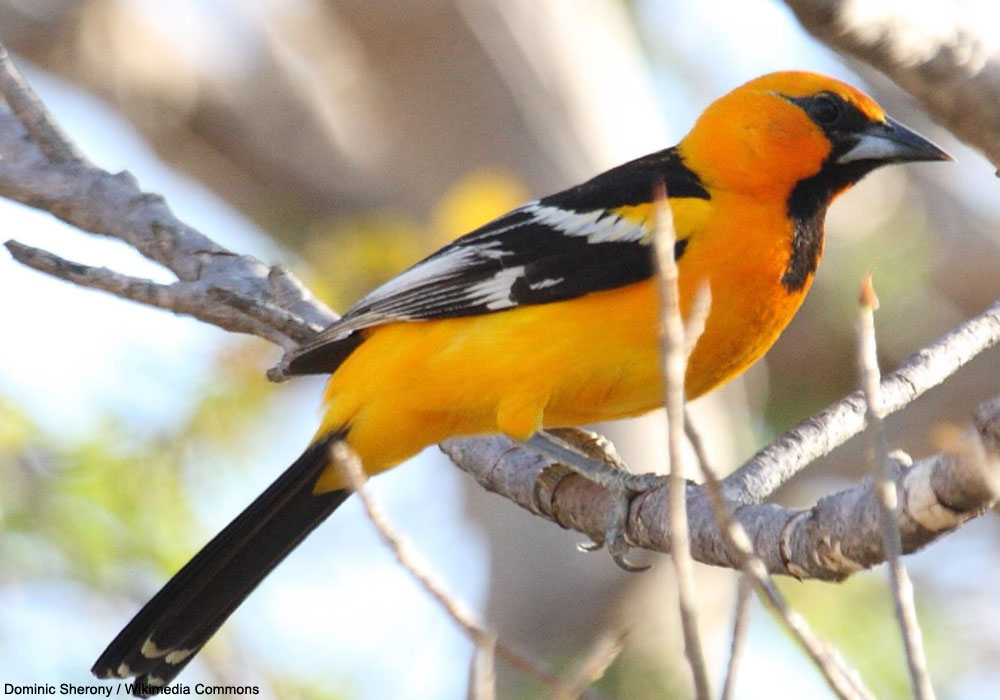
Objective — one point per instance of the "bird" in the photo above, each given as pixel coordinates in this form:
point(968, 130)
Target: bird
point(548, 317)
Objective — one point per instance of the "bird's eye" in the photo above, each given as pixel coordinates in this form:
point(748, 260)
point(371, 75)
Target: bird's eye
point(825, 110)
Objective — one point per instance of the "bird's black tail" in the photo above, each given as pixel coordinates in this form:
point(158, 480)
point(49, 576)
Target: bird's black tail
point(164, 636)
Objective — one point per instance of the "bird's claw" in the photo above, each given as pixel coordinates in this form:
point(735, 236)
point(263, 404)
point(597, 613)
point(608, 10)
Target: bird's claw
point(591, 459)
point(619, 553)
point(614, 536)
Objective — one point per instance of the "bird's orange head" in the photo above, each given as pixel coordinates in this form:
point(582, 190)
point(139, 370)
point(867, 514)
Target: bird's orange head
point(777, 131)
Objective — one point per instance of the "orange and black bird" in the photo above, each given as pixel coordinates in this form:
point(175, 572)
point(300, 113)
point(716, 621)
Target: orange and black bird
point(495, 332)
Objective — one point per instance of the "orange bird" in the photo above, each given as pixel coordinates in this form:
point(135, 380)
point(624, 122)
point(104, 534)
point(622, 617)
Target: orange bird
point(549, 317)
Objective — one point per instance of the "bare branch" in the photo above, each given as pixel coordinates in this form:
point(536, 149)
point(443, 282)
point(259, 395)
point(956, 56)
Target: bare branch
point(527, 666)
point(350, 466)
point(939, 54)
point(294, 327)
point(289, 293)
point(833, 426)
point(484, 639)
point(830, 541)
point(30, 111)
point(888, 498)
point(594, 665)
point(741, 618)
point(187, 298)
point(482, 672)
point(16, 145)
point(674, 352)
point(843, 680)
point(701, 305)
point(114, 205)
point(236, 293)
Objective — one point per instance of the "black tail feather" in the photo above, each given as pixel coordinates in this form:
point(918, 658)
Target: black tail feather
point(170, 629)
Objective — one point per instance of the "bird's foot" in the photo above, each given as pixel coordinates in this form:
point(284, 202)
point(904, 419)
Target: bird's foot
point(594, 458)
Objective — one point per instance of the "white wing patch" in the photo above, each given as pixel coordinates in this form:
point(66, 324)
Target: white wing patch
point(436, 284)
point(596, 226)
point(494, 292)
point(441, 266)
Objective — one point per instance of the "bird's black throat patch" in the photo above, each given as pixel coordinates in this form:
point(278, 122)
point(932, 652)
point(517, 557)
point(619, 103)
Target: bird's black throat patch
point(808, 216)
point(807, 207)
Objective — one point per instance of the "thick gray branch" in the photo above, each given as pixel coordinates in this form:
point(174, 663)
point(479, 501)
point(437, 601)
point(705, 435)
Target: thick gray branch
point(41, 168)
point(839, 535)
point(280, 309)
point(937, 52)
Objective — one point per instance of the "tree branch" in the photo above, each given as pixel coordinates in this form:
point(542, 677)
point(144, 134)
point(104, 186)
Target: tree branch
point(818, 435)
point(837, 537)
point(31, 113)
point(198, 299)
point(673, 358)
point(939, 54)
point(899, 580)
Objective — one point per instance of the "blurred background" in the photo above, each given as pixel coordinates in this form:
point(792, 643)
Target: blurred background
point(347, 139)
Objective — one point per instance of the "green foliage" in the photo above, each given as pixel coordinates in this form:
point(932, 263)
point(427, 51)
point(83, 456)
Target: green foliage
point(112, 511)
point(102, 504)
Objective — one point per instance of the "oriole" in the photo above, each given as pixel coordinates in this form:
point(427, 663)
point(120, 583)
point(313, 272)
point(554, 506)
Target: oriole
point(547, 317)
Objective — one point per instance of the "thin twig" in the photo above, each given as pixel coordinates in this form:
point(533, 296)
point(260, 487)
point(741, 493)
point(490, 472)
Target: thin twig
point(594, 665)
point(187, 298)
point(698, 312)
point(819, 434)
point(674, 356)
point(902, 588)
point(347, 461)
point(349, 464)
point(520, 661)
point(741, 618)
point(30, 111)
point(843, 680)
point(694, 439)
point(482, 672)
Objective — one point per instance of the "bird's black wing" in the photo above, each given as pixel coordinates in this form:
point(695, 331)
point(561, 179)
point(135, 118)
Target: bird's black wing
point(557, 248)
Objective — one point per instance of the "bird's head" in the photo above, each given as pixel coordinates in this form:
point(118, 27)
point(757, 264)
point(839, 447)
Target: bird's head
point(794, 129)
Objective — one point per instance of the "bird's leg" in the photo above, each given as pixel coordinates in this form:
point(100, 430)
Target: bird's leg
point(594, 458)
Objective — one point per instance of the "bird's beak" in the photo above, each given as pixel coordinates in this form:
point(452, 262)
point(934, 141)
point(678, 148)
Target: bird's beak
point(891, 142)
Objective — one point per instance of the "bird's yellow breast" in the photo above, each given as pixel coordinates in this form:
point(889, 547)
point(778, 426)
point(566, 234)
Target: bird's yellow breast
point(593, 358)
